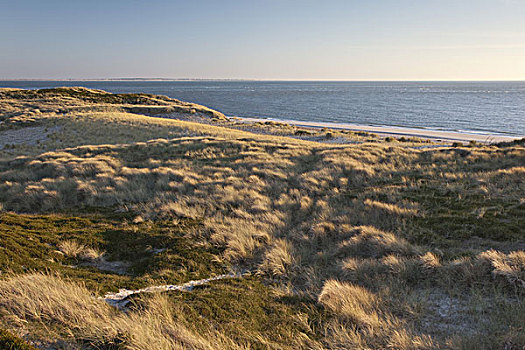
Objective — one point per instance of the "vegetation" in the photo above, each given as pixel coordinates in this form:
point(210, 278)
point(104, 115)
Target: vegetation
point(106, 253)
point(370, 245)
point(9, 341)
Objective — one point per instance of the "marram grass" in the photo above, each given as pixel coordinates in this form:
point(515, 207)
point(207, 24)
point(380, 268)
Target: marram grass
point(374, 245)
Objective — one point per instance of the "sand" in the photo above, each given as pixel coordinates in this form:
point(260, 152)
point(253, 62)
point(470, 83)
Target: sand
point(26, 136)
point(120, 299)
point(394, 131)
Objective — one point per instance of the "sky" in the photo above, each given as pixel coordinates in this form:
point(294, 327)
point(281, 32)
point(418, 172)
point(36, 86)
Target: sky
point(263, 39)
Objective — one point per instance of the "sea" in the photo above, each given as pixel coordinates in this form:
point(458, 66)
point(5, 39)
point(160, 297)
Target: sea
point(472, 107)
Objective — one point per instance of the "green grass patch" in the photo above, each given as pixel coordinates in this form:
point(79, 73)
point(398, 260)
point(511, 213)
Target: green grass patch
point(160, 251)
point(85, 95)
point(9, 341)
point(449, 219)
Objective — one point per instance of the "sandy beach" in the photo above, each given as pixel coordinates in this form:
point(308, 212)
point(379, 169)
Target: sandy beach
point(437, 135)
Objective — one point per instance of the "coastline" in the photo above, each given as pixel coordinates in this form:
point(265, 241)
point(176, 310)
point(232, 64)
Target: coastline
point(302, 101)
point(395, 131)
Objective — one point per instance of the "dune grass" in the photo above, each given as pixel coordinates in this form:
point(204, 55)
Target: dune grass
point(364, 246)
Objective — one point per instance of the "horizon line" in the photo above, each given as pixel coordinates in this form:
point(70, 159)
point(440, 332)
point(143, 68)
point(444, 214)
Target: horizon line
point(266, 79)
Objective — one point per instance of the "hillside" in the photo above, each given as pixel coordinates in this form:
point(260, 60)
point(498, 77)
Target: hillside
point(354, 242)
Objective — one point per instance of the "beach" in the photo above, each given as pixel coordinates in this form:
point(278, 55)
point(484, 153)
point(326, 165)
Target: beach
point(489, 108)
point(396, 131)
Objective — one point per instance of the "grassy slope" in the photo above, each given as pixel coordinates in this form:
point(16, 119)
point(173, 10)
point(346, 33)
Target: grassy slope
point(31, 242)
point(414, 228)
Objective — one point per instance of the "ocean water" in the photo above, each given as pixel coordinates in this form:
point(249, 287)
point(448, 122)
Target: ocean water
point(477, 107)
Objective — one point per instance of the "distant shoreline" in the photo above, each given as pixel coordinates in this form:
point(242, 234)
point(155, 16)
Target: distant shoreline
point(269, 80)
point(395, 131)
point(397, 114)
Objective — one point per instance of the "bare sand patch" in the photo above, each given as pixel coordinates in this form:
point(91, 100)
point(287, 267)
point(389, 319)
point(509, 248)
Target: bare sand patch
point(29, 135)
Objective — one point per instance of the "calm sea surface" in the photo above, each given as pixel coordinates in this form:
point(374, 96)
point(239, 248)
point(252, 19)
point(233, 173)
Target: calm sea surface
point(479, 107)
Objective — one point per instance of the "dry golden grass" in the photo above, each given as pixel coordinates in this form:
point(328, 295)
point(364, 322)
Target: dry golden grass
point(73, 249)
point(373, 243)
point(278, 259)
point(510, 266)
point(364, 229)
point(372, 327)
point(353, 302)
point(61, 309)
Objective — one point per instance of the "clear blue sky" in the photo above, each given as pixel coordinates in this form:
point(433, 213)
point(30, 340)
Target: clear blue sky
point(264, 39)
